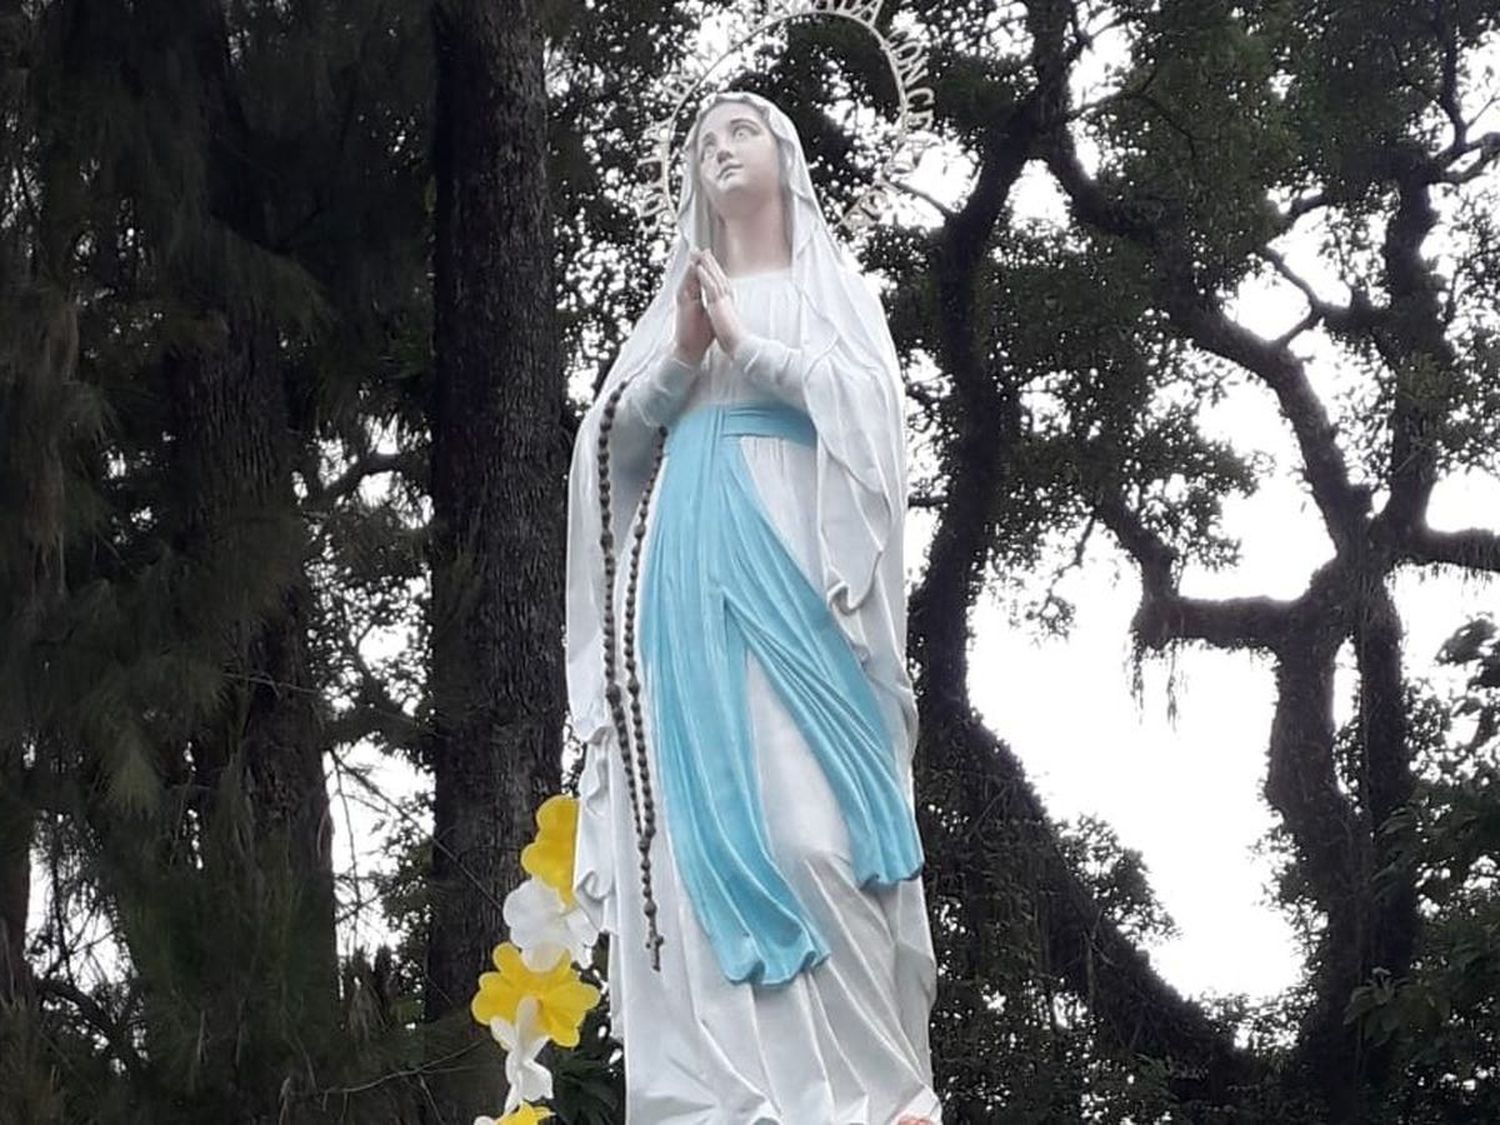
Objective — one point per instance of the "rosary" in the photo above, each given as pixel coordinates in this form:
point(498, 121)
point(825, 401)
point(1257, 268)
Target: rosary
point(645, 827)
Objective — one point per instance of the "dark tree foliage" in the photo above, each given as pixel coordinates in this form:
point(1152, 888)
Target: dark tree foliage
point(284, 413)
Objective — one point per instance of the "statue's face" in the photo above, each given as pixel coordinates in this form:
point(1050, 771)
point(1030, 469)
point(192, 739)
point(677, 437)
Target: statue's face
point(736, 158)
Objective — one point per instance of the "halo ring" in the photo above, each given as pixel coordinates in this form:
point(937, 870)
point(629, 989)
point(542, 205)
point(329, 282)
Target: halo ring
point(906, 60)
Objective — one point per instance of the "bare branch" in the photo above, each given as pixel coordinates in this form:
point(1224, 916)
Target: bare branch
point(1359, 316)
point(374, 712)
point(1417, 341)
point(1488, 147)
point(1475, 548)
point(1448, 93)
point(368, 464)
point(1165, 615)
point(936, 204)
point(96, 1016)
point(1304, 206)
point(1305, 324)
point(1227, 623)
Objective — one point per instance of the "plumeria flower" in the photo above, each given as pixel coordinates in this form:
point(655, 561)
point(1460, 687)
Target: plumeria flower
point(550, 856)
point(562, 999)
point(523, 1040)
point(536, 995)
point(545, 927)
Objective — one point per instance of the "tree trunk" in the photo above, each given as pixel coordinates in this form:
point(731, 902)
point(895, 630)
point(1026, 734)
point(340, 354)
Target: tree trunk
point(266, 838)
point(243, 601)
point(15, 875)
point(498, 509)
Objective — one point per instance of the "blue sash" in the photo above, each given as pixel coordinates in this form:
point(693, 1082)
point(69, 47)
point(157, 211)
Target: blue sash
point(720, 584)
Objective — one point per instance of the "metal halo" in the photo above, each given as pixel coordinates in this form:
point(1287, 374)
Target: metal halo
point(906, 59)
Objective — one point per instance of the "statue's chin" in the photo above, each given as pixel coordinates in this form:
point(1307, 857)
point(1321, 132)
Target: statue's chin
point(734, 201)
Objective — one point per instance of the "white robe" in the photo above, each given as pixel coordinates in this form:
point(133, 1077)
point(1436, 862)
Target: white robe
point(843, 1043)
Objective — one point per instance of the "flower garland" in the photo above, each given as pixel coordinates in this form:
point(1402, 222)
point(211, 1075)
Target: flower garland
point(535, 996)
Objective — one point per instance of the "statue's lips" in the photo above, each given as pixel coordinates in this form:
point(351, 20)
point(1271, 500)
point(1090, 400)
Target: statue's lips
point(723, 172)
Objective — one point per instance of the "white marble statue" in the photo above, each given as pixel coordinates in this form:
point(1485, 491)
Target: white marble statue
point(767, 637)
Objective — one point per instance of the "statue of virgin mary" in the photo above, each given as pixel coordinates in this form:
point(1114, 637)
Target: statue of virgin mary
point(772, 965)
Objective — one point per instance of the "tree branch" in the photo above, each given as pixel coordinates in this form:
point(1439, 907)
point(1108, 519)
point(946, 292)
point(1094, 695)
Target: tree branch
point(94, 1014)
point(1474, 549)
point(1448, 97)
point(1488, 147)
point(368, 464)
point(1164, 614)
point(1416, 341)
point(1353, 319)
point(1344, 507)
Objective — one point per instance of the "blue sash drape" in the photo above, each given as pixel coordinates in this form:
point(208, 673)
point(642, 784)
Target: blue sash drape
point(720, 584)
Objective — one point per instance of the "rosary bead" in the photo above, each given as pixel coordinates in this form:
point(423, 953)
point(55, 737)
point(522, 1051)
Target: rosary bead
point(637, 769)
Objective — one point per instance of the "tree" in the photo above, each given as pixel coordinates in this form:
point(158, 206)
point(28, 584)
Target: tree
point(1350, 150)
point(497, 493)
point(164, 719)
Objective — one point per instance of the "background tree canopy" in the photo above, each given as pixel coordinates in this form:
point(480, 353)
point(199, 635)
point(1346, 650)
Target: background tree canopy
point(293, 295)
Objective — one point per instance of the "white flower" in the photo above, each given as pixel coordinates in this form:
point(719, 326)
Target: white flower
point(543, 926)
point(523, 1040)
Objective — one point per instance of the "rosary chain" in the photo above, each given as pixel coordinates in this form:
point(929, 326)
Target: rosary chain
point(642, 804)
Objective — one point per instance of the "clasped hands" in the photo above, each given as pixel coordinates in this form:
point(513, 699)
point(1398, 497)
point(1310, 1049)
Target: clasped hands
point(706, 310)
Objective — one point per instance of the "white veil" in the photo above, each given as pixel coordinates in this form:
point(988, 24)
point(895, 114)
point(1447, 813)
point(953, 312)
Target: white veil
point(854, 395)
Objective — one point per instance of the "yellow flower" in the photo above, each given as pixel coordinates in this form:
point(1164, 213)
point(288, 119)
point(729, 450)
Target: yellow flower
point(550, 856)
point(523, 1114)
point(562, 999)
